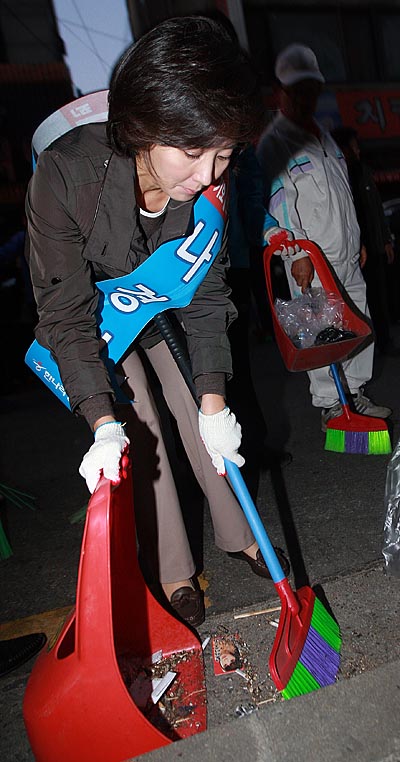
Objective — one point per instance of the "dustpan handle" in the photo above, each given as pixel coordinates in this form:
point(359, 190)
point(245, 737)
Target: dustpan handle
point(321, 265)
point(256, 525)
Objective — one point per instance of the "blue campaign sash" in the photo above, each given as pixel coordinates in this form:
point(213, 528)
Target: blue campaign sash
point(168, 279)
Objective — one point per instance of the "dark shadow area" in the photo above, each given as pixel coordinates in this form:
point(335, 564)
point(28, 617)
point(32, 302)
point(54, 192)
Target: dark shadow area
point(320, 594)
point(289, 529)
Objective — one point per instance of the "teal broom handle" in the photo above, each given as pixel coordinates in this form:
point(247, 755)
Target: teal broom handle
point(235, 477)
point(256, 525)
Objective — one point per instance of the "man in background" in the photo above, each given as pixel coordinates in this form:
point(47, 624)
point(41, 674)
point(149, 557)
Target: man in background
point(308, 192)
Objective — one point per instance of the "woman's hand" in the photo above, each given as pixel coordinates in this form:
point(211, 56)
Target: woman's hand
point(104, 456)
point(222, 436)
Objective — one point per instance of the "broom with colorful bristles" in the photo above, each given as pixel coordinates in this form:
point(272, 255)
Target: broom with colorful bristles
point(354, 433)
point(306, 651)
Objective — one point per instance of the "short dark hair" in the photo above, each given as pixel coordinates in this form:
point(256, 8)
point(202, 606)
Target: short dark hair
point(343, 135)
point(186, 84)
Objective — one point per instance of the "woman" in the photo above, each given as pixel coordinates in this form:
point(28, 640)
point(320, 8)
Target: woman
point(181, 101)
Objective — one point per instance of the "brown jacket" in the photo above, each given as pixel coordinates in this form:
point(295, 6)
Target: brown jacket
point(82, 227)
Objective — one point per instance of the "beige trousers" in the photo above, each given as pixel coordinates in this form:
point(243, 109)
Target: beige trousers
point(161, 532)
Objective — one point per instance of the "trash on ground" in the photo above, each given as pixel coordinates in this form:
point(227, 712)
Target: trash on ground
point(227, 656)
point(246, 614)
point(155, 688)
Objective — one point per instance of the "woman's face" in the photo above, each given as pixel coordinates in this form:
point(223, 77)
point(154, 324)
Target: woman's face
point(181, 174)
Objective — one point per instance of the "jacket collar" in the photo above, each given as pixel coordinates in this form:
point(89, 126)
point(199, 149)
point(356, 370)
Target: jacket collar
point(115, 218)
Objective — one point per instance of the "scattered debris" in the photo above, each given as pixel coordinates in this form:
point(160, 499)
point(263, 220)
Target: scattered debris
point(157, 690)
point(246, 614)
point(243, 709)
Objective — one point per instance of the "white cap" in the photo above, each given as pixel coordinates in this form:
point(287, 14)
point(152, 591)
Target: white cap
point(297, 62)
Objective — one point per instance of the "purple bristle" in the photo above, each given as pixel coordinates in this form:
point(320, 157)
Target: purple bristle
point(320, 659)
point(357, 442)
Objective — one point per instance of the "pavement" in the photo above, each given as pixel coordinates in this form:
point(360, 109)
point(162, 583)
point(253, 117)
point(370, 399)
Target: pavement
point(327, 509)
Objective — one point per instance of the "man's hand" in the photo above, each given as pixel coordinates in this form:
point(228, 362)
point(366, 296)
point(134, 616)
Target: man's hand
point(285, 248)
point(363, 256)
point(303, 272)
point(389, 250)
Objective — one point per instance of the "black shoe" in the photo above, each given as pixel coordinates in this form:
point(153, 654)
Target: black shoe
point(258, 564)
point(15, 652)
point(189, 604)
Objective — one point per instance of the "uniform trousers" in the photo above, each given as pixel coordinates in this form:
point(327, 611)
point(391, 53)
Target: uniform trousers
point(162, 538)
point(358, 370)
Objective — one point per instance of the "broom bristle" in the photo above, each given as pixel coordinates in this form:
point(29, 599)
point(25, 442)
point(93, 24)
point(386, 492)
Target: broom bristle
point(335, 440)
point(319, 660)
point(379, 443)
point(358, 434)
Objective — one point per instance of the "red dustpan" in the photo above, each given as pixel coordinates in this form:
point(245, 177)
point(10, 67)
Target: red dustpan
point(78, 703)
point(295, 358)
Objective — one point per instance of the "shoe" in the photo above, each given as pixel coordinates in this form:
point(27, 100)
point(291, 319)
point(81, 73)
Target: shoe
point(17, 651)
point(330, 412)
point(365, 406)
point(258, 564)
point(189, 604)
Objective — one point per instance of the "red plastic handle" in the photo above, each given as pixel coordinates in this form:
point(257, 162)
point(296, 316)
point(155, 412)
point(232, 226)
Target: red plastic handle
point(279, 240)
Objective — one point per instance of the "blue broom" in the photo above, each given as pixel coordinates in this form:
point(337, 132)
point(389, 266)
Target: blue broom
point(306, 651)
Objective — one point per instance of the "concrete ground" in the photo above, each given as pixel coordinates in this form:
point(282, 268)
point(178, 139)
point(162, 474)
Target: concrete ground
point(326, 509)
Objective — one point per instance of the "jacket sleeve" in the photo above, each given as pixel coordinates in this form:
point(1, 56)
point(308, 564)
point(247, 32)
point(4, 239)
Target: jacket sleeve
point(207, 318)
point(280, 191)
point(62, 281)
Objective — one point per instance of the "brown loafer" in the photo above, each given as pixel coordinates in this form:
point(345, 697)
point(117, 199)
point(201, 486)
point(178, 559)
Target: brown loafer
point(258, 564)
point(189, 604)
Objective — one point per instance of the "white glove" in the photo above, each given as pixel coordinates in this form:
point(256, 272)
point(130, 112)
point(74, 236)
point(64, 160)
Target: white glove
point(222, 435)
point(104, 455)
point(293, 252)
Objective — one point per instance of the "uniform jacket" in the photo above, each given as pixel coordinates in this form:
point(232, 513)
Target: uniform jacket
point(307, 188)
point(82, 227)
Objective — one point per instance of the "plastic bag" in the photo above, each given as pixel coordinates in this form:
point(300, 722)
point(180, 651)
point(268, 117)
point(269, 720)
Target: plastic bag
point(305, 316)
point(391, 529)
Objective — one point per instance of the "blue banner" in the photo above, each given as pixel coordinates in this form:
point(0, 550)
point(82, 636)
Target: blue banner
point(168, 279)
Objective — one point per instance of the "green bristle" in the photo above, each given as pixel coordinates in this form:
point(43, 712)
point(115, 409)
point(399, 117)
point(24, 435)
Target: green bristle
point(301, 682)
point(5, 547)
point(335, 440)
point(379, 443)
point(326, 626)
